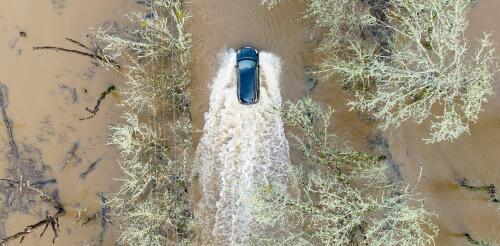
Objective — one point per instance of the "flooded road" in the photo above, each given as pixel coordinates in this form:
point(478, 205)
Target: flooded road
point(242, 145)
point(223, 24)
point(234, 23)
point(47, 95)
point(48, 92)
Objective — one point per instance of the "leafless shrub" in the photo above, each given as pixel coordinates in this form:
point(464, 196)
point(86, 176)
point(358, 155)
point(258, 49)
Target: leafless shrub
point(154, 140)
point(410, 61)
point(347, 197)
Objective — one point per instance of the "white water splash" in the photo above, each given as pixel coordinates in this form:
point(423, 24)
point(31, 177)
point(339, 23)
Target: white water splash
point(241, 144)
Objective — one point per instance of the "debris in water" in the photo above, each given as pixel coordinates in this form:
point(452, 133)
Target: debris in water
point(48, 132)
point(42, 183)
point(98, 104)
point(91, 168)
point(58, 4)
point(380, 142)
point(311, 80)
point(105, 217)
point(12, 44)
point(94, 53)
point(72, 158)
point(4, 103)
point(488, 189)
point(51, 219)
point(72, 91)
point(473, 241)
point(80, 216)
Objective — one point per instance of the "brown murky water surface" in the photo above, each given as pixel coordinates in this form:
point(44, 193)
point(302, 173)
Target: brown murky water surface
point(475, 157)
point(221, 24)
point(48, 93)
point(231, 24)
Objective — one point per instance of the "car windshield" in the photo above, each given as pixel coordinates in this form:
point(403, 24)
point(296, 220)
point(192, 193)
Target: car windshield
point(247, 80)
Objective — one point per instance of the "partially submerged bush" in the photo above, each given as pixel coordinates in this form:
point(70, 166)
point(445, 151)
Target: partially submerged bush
point(347, 197)
point(407, 60)
point(317, 144)
point(156, 49)
point(152, 204)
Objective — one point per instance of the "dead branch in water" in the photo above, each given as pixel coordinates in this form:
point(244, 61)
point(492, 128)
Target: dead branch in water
point(51, 220)
point(94, 53)
point(473, 241)
point(103, 215)
point(98, 104)
point(489, 189)
point(91, 168)
point(82, 218)
point(4, 102)
point(72, 157)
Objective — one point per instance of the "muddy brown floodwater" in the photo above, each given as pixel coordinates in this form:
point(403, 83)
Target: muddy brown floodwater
point(221, 24)
point(47, 93)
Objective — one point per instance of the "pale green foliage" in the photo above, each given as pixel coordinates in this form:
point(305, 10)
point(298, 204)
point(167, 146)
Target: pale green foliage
point(152, 205)
point(132, 137)
point(153, 35)
point(153, 39)
point(340, 20)
point(317, 144)
point(415, 65)
point(347, 197)
point(154, 141)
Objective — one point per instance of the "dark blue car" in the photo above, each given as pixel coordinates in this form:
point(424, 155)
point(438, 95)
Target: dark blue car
point(247, 72)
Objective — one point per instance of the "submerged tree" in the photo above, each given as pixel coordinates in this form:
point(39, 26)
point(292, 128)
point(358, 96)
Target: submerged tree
point(407, 60)
point(347, 197)
point(154, 141)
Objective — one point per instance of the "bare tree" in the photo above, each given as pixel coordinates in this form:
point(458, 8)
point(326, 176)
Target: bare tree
point(154, 141)
point(346, 196)
point(407, 60)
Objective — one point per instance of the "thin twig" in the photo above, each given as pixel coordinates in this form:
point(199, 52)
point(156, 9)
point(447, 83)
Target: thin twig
point(90, 53)
point(99, 101)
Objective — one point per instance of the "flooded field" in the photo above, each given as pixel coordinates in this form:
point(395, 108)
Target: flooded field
point(45, 93)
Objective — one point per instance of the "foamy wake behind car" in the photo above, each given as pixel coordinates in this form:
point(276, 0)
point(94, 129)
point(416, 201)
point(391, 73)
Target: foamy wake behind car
point(247, 72)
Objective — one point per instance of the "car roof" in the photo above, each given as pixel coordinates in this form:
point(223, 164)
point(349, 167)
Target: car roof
point(247, 53)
